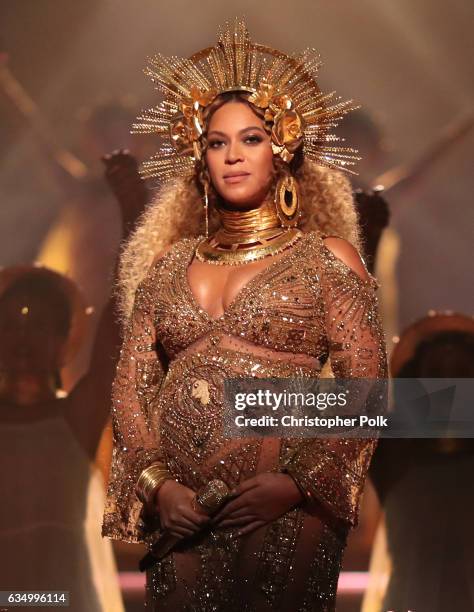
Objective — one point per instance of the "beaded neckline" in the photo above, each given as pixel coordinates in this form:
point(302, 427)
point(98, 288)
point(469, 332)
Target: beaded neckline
point(186, 262)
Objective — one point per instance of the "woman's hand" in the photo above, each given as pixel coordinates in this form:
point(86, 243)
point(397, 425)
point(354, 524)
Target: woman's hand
point(176, 513)
point(257, 501)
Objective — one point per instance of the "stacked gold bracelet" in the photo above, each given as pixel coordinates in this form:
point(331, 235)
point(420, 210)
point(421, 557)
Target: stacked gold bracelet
point(150, 480)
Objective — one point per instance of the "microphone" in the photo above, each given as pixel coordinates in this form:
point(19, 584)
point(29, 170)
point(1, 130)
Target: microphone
point(209, 499)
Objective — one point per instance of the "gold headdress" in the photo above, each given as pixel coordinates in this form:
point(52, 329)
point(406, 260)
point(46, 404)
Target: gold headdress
point(285, 86)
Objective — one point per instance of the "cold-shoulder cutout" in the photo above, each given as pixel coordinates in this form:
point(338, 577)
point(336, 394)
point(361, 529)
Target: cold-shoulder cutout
point(348, 254)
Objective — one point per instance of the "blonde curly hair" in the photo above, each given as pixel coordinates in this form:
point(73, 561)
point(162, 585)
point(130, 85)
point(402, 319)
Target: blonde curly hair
point(177, 212)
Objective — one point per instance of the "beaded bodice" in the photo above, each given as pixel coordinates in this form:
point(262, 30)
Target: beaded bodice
point(279, 307)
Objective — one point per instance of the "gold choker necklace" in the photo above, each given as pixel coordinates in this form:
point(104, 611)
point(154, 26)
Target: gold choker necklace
point(246, 236)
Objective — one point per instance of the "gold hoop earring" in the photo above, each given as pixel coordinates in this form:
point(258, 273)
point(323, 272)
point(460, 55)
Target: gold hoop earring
point(287, 201)
point(206, 209)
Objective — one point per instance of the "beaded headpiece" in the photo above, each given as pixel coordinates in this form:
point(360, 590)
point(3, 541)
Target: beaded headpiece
point(284, 86)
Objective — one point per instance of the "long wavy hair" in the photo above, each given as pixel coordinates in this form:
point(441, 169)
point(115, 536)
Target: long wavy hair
point(177, 210)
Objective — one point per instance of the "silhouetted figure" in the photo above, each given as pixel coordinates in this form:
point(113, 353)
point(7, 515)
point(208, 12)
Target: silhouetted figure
point(425, 485)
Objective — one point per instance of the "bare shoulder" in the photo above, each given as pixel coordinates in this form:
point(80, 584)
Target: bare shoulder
point(348, 254)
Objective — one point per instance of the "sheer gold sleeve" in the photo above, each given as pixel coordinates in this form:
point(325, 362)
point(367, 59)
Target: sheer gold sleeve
point(135, 427)
point(331, 472)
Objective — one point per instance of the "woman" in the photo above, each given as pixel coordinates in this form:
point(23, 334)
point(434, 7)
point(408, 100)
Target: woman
point(243, 121)
point(49, 534)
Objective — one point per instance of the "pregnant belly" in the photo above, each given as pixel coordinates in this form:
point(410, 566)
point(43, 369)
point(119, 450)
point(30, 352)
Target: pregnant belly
point(193, 413)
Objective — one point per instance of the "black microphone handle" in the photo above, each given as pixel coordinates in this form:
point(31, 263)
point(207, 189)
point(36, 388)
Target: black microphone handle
point(159, 549)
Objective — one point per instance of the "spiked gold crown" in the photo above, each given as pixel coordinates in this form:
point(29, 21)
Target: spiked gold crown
point(284, 86)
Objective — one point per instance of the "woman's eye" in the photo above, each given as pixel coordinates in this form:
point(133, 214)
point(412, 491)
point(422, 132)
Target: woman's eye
point(251, 139)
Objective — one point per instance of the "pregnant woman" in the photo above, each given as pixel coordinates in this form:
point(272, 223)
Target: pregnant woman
point(247, 264)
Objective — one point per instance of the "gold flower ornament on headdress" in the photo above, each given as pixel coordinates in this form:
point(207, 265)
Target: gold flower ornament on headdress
point(295, 110)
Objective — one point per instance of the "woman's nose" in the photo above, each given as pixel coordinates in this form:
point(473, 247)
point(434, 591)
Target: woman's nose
point(234, 153)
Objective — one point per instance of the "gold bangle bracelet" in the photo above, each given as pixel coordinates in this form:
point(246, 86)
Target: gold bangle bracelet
point(153, 485)
point(145, 494)
point(150, 480)
point(147, 488)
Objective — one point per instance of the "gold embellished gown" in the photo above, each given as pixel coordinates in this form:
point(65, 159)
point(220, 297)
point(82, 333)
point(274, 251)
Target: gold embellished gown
point(305, 306)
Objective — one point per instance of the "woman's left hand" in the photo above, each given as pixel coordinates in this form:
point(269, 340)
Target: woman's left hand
point(257, 501)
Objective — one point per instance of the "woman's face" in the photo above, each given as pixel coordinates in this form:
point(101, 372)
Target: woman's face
point(239, 155)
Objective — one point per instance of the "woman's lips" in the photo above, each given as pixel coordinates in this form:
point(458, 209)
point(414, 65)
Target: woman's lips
point(236, 178)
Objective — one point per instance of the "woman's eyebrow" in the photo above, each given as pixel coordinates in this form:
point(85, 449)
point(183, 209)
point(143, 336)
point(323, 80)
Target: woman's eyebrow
point(252, 127)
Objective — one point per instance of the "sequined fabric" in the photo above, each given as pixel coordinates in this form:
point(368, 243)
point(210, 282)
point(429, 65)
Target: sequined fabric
point(306, 306)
